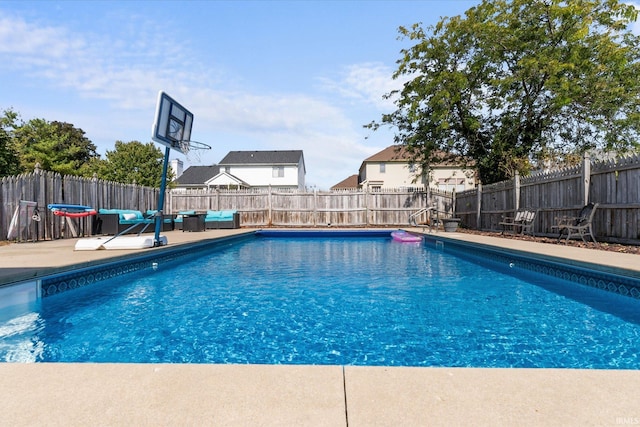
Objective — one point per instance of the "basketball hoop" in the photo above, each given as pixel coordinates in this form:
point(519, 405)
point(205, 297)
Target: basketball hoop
point(192, 150)
point(172, 128)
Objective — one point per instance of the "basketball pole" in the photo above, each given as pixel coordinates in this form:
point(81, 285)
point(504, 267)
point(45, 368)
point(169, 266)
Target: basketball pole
point(163, 187)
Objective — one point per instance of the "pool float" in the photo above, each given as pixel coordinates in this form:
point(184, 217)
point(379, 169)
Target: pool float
point(403, 236)
point(71, 211)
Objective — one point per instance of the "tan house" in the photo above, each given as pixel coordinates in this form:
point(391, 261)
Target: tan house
point(392, 168)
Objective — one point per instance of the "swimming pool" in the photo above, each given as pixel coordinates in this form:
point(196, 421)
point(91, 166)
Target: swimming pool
point(348, 300)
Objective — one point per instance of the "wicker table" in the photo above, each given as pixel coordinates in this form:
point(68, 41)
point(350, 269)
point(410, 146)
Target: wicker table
point(193, 222)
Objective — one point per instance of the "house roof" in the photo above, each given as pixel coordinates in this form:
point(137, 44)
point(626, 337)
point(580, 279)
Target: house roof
point(392, 153)
point(282, 157)
point(197, 175)
point(398, 153)
point(349, 182)
point(224, 178)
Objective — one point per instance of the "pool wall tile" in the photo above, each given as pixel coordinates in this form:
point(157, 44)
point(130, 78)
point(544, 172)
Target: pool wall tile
point(55, 284)
point(618, 281)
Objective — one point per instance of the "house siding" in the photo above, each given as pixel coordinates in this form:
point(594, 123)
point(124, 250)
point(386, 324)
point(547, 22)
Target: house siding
point(397, 173)
point(262, 176)
point(301, 169)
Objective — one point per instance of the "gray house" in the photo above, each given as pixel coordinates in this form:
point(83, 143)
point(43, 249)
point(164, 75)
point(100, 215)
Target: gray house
point(195, 177)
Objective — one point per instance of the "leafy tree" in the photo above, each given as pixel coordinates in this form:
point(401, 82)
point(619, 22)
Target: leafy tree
point(521, 81)
point(56, 146)
point(134, 162)
point(78, 148)
point(9, 160)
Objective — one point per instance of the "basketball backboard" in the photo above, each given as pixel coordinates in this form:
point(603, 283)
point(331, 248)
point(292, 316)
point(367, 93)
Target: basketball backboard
point(173, 122)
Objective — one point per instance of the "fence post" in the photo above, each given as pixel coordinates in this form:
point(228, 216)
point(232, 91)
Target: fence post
point(269, 202)
point(170, 202)
point(479, 206)
point(315, 207)
point(366, 205)
point(516, 191)
point(39, 198)
point(453, 202)
point(586, 178)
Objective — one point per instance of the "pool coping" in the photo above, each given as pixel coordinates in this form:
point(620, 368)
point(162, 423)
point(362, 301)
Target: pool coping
point(284, 395)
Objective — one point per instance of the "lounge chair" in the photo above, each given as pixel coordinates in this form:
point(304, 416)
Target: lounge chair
point(521, 223)
point(578, 226)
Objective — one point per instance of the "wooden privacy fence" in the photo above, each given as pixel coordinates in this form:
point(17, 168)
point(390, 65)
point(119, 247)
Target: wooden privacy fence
point(46, 188)
point(258, 208)
point(614, 184)
point(345, 208)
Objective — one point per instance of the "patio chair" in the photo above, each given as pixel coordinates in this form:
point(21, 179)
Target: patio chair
point(578, 226)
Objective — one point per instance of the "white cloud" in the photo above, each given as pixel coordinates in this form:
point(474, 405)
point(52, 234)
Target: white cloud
point(122, 80)
point(17, 37)
point(366, 83)
point(94, 66)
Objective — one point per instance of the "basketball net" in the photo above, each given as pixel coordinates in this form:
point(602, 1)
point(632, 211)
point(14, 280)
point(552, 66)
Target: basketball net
point(192, 150)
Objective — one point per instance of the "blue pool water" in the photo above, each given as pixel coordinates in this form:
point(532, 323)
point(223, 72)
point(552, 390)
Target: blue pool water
point(347, 301)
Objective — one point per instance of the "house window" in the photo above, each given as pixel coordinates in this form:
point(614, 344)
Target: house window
point(383, 167)
point(412, 167)
point(451, 184)
point(278, 172)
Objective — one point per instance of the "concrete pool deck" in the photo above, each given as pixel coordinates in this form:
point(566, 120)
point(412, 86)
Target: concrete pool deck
point(239, 395)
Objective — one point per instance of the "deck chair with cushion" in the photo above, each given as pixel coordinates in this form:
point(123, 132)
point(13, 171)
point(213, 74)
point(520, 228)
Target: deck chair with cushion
point(578, 226)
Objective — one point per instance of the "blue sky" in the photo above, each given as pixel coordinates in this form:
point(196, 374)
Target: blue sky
point(258, 75)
